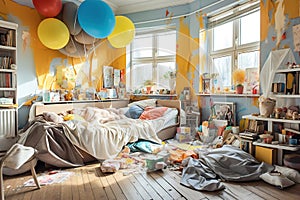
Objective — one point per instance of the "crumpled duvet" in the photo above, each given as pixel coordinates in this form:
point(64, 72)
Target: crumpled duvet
point(57, 144)
point(227, 163)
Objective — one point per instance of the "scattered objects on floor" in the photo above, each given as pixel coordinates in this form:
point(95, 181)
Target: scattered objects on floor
point(50, 177)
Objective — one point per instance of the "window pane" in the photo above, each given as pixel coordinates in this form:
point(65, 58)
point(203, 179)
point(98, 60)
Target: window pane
point(142, 46)
point(248, 60)
point(250, 28)
point(163, 77)
point(141, 73)
point(222, 66)
point(166, 44)
point(223, 36)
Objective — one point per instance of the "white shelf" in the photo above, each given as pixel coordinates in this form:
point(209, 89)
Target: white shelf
point(287, 95)
point(229, 95)
point(156, 95)
point(288, 70)
point(271, 119)
point(8, 89)
point(8, 48)
point(83, 101)
point(8, 82)
point(8, 70)
point(278, 146)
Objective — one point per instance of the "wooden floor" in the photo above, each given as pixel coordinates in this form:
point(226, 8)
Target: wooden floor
point(90, 183)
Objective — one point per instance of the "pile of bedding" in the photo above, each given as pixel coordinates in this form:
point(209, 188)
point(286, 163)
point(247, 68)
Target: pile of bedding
point(102, 133)
point(228, 163)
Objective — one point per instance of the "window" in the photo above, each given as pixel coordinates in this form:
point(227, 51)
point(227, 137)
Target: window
point(234, 41)
point(151, 56)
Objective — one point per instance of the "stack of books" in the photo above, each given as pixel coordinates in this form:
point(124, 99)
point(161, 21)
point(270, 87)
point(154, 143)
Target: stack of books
point(248, 136)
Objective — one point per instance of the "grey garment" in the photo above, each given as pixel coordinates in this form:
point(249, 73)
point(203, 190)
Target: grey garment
point(50, 141)
point(227, 163)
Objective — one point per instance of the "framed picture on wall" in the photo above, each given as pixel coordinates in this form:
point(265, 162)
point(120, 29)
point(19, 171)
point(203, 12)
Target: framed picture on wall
point(224, 111)
point(108, 76)
point(117, 77)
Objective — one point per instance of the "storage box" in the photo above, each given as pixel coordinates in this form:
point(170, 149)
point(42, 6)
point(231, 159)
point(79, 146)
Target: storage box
point(182, 137)
point(5, 100)
point(184, 130)
point(266, 155)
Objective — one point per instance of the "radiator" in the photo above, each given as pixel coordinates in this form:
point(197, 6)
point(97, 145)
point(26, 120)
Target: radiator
point(7, 123)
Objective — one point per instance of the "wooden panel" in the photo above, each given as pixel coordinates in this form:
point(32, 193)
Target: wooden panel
point(266, 155)
point(89, 183)
point(65, 106)
point(60, 107)
point(170, 103)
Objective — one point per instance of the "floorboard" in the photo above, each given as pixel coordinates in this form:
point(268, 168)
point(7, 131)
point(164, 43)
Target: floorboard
point(89, 183)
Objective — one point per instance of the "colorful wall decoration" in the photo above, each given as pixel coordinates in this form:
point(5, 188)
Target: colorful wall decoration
point(43, 68)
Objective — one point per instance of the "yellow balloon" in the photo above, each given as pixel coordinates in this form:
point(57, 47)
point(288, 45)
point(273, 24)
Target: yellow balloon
point(123, 32)
point(53, 33)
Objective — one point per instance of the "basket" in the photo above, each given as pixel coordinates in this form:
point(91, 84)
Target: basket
point(266, 106)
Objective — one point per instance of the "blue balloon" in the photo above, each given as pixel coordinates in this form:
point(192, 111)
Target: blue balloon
point(96, 18)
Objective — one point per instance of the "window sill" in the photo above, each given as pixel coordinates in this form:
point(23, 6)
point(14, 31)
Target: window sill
point(155, 95)
point(230, 95)
point(83, 101)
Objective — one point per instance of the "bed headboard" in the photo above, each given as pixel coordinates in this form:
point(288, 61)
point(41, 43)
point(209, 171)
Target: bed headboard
point(170, 103)
point(61, 107)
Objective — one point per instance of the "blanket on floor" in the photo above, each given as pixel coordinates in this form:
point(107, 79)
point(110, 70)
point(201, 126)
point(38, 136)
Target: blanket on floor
point(227, 163)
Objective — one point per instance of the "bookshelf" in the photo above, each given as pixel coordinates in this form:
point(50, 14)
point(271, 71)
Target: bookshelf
point(8, 84)
point(290, 87)
point(279, 147)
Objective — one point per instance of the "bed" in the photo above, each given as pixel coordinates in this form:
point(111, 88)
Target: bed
point(99, 136)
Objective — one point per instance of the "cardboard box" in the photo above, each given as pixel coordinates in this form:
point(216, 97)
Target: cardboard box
point(184, 130)
point(182, 137)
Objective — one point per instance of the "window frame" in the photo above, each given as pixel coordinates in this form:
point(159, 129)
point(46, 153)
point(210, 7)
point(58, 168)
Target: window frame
point(155, 59)
point(237, 47)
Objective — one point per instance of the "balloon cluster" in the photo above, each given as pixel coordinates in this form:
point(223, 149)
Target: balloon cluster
point(70, 28)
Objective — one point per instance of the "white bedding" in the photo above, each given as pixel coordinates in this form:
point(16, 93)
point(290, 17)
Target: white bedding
point(106, 139)
point(170, 118)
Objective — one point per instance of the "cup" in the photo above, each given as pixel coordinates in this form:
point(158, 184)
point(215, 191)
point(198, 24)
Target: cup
point(235, 129)
point(292, 141)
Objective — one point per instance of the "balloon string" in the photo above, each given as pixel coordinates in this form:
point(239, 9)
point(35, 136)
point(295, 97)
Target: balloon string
point(91, 71)
point(77, 51)
point(75, 21)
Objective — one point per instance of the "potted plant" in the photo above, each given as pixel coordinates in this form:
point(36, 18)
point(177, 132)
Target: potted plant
point(148, 84)
point(238, 76)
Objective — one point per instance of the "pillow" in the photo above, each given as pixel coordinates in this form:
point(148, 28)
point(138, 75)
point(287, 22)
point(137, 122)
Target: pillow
point(144, 103)
point(153, 113)
point(52, 117)
point(277, 179)
point(134, 112)
point(290, 173)
point(123, 110)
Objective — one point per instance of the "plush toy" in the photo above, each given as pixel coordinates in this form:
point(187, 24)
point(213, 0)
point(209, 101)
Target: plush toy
point(69, 96)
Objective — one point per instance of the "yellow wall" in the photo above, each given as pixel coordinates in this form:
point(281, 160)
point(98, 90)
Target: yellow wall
point(44, 57)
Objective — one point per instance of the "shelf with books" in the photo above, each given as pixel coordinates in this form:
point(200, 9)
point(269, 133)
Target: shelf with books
point(279, 147)
point(8, 84)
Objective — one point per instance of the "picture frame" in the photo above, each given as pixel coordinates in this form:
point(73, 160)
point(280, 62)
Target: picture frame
point(108, 76)
point(225, 111)
point(117, 77)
